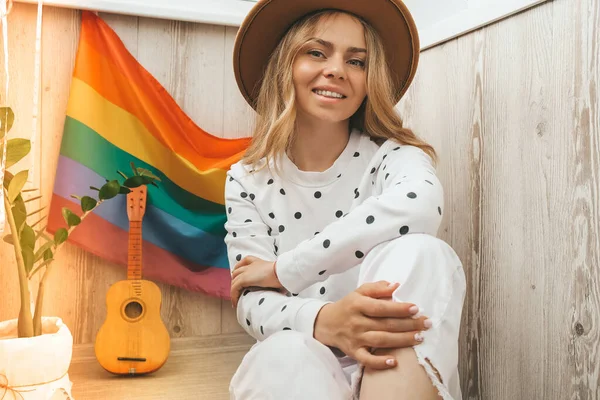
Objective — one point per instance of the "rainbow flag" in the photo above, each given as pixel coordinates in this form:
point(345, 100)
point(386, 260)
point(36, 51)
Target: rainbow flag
point(118, 114)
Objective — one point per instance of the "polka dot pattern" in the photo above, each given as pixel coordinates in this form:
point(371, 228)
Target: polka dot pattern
point(298, 215)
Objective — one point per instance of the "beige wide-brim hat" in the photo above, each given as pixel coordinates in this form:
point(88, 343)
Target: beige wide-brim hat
point(269, 20)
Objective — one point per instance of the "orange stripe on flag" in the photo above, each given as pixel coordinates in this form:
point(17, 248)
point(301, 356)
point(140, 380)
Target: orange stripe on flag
point(124, 82)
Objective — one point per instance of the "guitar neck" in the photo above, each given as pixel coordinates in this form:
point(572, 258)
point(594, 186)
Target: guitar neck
point(134, 258)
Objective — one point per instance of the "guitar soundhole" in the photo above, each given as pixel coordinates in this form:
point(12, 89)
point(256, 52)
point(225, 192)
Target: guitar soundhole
point(133, 310)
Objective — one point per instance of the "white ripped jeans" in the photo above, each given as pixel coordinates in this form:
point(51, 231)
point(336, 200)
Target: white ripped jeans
point(293, 366)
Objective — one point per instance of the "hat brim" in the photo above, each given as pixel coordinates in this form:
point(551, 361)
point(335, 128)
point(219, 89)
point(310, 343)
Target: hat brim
point(269, 20)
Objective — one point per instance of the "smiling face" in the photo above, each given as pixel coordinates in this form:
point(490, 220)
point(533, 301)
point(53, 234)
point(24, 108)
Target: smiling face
point(329, 72)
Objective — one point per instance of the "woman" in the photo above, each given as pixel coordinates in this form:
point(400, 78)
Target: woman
point(334, 211)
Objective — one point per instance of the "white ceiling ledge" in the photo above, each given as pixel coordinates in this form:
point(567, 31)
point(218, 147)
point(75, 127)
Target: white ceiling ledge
point(437, 20)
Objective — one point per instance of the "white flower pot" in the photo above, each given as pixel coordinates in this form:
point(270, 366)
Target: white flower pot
point(35, 368)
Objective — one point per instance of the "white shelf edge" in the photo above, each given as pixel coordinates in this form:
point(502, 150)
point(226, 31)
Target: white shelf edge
point(216, 12)
point(232, 13)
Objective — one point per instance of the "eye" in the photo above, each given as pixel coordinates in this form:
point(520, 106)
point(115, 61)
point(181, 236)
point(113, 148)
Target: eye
point(358, 63)
point(316, 53)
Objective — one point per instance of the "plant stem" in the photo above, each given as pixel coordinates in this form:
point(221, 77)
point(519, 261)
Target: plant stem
point(39, 301)
point(25, 322)
point(39, 304)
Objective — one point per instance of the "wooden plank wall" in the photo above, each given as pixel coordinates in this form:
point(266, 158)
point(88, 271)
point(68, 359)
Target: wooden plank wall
point(513, 110)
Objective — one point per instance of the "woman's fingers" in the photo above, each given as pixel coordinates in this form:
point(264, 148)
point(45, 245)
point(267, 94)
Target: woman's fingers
point(245, 261)
point(397, 324)
point(369, 360)
point(386, 309)
point(377, 290)
point(237, 272)
point(237, 285)
point(388, 340)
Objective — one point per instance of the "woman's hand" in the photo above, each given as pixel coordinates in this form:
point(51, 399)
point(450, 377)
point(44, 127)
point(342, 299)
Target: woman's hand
point(365, 319)
point(251, 271)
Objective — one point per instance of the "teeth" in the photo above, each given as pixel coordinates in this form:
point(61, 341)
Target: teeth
point(327, 93)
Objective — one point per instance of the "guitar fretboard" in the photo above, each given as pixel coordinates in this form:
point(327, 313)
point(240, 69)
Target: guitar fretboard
point(134, 258)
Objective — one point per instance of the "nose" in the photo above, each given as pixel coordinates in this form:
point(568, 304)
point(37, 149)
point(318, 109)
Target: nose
point(334, 69)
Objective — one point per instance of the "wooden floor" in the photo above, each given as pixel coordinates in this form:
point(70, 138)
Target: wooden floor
point(197, 368)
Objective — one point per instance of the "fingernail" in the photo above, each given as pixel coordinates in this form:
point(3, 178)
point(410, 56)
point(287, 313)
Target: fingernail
point(419, 337)
point(392, 284)
point(391, 362)
point(413, 310)
point(428, 323)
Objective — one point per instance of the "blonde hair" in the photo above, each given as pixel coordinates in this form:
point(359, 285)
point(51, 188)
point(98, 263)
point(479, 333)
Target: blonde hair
point(274, 131)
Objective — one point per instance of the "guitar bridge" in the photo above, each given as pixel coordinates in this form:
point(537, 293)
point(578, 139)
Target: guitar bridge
point(137, 359)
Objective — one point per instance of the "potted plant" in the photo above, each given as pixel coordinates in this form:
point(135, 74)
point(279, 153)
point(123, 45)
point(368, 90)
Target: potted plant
point(35, 351)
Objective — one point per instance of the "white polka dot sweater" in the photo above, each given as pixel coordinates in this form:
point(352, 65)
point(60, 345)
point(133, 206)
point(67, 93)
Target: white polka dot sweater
point(320, 225)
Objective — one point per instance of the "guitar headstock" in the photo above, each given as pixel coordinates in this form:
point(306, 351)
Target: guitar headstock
point(136, 203)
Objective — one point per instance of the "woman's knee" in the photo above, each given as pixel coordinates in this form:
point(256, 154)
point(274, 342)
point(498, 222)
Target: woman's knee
point(401, 258)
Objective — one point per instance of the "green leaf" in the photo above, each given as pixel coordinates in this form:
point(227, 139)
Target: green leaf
point(28, 258)
point(122, 174)
point(48, 255)
point(27, 238)
point(87, 203)
point(124, 190)
point(42, 250)
point(70, 218)
point(16, 184)
point(148, 173)
point(109, 190)
point(74, 196)
point(60, 236)
point(7, 178)
point(148, 180)
point(16, 150)
point(133, 168)
point(8, 239)
point(7, 118)
point(134, 181)
point(94, 188)
point(19, 213)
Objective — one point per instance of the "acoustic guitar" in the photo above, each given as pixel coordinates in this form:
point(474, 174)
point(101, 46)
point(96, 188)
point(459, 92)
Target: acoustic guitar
point(133, 339)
